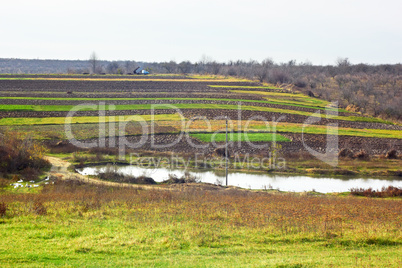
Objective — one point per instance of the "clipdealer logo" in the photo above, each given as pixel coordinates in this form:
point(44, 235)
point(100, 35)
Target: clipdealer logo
point(329, 155)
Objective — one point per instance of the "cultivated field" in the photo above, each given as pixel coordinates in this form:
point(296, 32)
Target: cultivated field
point(60, 218)
point(167, 106)
point(52, 97)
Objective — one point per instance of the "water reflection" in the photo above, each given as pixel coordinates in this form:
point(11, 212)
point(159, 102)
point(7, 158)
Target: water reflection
point(257, 180)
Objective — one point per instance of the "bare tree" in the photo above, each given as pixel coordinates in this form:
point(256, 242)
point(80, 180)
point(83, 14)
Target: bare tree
point(93, 61)
point(170, 66)
point(185, 67)
point(129, 66)
point(343, 62)
point(261, 72)
point(113, 68)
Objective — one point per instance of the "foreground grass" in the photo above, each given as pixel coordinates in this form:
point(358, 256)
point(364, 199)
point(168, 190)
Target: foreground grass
point(72, 224)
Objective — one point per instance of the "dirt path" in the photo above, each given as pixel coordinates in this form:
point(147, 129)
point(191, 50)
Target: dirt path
point(60, 170)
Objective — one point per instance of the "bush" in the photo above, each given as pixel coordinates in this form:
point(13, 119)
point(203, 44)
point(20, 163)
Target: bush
point(104, 150)
point(30, 174)
point(302, 83)
point(389, 191)
point(3, 209)
point(77, 157)
point(278, 76)
point(4, 183)
point(18, 154)
point(112, 175)
point(362, 155)
point(345, 153)
point(392, 154)
point(39, 208)
point(186, 178)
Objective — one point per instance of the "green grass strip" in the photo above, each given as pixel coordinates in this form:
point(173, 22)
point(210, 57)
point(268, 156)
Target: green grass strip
point(283, 94)
point(287, 97)
point(244, 137)
point(87, 119)
point(277, 102)
point(42, 126)
point(49, 108)
point(318, 129)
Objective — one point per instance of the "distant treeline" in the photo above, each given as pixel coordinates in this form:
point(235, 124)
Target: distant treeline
point(370, 89)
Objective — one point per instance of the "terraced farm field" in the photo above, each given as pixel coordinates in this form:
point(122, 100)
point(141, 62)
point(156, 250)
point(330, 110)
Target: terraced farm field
point(168, 224)
point(40, 104)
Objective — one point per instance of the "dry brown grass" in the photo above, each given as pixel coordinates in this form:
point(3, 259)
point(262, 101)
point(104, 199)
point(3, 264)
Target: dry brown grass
point(327, 215)
point(3, 209)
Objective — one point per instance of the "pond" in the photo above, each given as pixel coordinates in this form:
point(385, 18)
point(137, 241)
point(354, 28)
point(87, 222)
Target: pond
point(257, 180)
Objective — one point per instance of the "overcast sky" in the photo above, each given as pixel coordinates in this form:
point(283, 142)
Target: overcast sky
point(148, 30)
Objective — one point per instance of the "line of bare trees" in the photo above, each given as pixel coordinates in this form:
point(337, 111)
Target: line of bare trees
point(371, 89)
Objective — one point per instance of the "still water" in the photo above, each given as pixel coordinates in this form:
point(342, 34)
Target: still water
point(257, 180)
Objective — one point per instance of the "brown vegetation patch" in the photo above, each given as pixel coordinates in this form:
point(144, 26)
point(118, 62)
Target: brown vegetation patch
point(3, 209)
point(389, 191)
point(392, 154)
point(346, 153)
point(21, 155)
point(362, 155)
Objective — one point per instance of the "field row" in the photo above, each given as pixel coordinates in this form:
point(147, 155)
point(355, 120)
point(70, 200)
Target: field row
point(117, 100)
point(66, 108)
point(88, 127)
point(114, 85)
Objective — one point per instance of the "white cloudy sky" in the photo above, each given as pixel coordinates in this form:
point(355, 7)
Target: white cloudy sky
point(149, 30)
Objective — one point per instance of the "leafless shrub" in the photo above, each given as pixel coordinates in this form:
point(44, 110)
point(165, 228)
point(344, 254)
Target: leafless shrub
point(221, 152)
point(3, 209)
point(4, 182)
point(30, 174)
point(186, 178)
point(389, 191)
point(77, 157)
point(392, 154)
point(278, 76)
point(20, 153)
point(302, 83)
point(39, 208)
point(345, 153)
point(114, 176)
point(362, 155)
point(104, 150)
